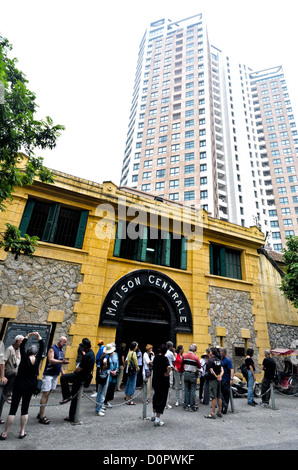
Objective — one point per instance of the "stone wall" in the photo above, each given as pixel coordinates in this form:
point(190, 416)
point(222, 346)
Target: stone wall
point(232, 310)
point(38, 285)
point(283, 336)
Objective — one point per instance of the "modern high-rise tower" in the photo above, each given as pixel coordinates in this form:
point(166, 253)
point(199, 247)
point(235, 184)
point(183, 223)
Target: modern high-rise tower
point(208, 132)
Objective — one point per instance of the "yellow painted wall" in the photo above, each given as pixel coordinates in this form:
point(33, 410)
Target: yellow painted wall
point(101, 270)
point(278, 309)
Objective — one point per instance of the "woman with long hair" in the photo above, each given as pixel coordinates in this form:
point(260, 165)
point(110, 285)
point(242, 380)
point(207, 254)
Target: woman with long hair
point(25, 383)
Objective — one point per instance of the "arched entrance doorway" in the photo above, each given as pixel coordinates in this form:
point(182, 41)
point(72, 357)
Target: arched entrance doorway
point(146, 319)
point(148, 307)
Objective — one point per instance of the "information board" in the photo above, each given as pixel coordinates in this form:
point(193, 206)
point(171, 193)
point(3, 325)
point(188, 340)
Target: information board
point(14, 329)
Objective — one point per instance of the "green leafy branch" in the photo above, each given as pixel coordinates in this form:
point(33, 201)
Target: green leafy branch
point(16, 243)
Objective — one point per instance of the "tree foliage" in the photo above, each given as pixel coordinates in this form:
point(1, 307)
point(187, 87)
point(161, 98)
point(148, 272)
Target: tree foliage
point(13, 241)
point(20, 132)
point(289, 283)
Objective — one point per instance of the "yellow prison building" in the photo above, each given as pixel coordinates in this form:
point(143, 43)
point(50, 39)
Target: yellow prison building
point(119, 265)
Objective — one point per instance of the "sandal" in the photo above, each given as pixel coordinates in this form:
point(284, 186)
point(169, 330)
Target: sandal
point(131, 403)
point(65, 400)
point(21, 436)
point(210, 416)
point(44, 420)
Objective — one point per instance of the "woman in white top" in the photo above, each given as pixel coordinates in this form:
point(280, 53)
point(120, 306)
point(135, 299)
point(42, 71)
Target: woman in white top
point(148, 357)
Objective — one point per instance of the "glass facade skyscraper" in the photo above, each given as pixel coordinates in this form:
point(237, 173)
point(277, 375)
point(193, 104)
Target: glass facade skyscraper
point(208, 132)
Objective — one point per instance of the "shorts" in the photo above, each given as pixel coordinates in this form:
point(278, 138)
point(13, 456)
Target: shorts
point(49, 382)
point(214, 389)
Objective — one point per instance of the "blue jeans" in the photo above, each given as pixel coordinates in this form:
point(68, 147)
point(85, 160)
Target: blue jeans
point(250, 384)
point(179, 378)
point(190, 384)
point(101, 395)
point(131, 385)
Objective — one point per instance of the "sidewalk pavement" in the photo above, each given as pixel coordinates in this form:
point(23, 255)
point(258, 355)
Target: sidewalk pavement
point(124, 429)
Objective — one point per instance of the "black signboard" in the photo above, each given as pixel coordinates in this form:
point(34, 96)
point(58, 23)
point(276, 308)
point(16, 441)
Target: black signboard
point(14, 329)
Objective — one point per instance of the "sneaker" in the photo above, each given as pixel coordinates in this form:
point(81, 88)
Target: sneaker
point(177, 403)
point(169, 407)
point(265, 405)
point(158, 423)
point(108, 405)
point(99, 413)
point(94, 395)
point(251, 403)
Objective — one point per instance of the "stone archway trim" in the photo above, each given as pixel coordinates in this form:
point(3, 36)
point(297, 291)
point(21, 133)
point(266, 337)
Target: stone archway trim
point(128, 285)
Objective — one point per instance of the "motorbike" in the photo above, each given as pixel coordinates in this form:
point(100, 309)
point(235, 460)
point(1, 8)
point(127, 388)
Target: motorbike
point(239, 387)
point(286, 381)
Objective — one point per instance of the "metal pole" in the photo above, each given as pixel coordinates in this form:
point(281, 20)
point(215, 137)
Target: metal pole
point(272, 396)
point(145, 399)
point(232, 400)
point(78, 407)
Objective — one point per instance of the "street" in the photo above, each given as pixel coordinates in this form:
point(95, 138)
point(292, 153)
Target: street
point(124, 429)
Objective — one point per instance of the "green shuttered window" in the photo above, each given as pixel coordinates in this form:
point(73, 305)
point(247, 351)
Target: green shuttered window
point(225, 262)
point(150, 246)
point(54, 223)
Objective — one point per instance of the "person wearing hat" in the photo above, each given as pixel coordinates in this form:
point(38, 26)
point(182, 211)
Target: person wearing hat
point(203, 361)
point(101, 346)
point(205, 385)
point(104, 370)
point(114, 370)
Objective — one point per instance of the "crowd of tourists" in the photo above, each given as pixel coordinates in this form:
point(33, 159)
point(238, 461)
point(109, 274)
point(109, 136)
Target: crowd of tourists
point(166, 371)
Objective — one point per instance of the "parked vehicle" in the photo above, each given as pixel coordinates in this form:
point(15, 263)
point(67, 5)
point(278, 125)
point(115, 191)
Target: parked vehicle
point(286, 380)
point(239, 387)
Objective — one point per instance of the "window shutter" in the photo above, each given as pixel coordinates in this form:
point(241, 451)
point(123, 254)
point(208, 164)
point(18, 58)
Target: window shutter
point(183, 263)
point(166, 250)
point(211, 258)
point(26, 217)
point(233, 265)
point(51, 224)
point(222, 260)
point(81, 229)
point(118, 238)
point(142, 245)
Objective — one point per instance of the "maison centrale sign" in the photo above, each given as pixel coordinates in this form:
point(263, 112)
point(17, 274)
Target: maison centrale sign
point(144, 280)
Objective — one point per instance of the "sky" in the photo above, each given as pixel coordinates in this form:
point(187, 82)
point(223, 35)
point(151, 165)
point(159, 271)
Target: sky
point(80, 60)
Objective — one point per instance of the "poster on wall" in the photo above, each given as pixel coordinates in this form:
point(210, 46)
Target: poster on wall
point(13, 329)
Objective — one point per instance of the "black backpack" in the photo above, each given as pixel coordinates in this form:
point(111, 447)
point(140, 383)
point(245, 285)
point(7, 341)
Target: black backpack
point(103, 370)
point(244, 371)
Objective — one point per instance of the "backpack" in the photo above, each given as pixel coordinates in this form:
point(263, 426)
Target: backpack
point(103, 370)
point(131, 370)
point(244, 371)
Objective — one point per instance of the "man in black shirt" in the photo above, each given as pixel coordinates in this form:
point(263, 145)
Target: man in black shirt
point(215, 373)
point(79, 376)
point(268, 367)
